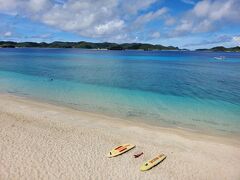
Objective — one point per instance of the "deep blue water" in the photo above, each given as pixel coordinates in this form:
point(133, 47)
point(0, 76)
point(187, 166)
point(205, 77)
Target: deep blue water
point(169, 88)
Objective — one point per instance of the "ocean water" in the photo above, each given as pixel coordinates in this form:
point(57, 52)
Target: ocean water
point(166, 88)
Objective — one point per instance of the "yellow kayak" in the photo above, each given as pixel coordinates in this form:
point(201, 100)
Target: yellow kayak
point(120, 150)
point(152, 162)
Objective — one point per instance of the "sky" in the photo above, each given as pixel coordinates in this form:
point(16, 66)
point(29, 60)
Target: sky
point(187, 24)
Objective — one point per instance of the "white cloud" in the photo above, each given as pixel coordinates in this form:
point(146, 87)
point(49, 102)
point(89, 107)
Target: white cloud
point(156, 35)
point(236, 39)
point(85, 19)
point(169, 21)
point(150, 16)
point(89, 18)
point(133, 6)
point(24, 7)
point(208, 15)
point(215, 10)
point(183, 27)
point(8, 6)
point(7, 34)
point(203, 26)
point(119, 20)
point(38, 5)
point(202, 8)
point(109, 27)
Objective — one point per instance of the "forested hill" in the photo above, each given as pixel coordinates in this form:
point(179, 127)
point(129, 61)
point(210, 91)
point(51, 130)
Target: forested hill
point(86, 45)
point(222, 48)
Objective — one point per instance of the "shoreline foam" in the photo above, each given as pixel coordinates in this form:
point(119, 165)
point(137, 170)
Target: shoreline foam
point(40, 140)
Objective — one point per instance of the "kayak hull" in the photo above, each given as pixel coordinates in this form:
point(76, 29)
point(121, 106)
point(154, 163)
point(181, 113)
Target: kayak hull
point(152, 162)
point(120, 150)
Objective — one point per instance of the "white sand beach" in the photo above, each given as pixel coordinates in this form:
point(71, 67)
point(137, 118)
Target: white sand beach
point(44, 141)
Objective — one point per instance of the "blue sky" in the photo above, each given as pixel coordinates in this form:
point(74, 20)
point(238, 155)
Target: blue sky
point(184, 23)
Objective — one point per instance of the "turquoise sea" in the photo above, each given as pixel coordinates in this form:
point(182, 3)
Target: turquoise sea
point(166, 88)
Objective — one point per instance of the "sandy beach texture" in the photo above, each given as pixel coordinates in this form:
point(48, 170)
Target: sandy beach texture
point(43, 141)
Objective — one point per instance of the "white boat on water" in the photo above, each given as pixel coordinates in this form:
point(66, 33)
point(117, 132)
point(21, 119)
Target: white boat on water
point(220, 58)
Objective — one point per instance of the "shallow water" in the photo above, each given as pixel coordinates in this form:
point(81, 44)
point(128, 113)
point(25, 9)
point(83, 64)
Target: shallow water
point(177, 89)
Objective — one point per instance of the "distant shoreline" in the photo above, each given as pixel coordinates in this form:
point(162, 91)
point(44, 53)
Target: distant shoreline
point(180, 50)
point(87, 45)
point(109, 46)
point(90, 49)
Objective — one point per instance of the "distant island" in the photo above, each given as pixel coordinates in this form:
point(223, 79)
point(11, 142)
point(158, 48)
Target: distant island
point(107, 46)
point(221, 48)
point(87, 45)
